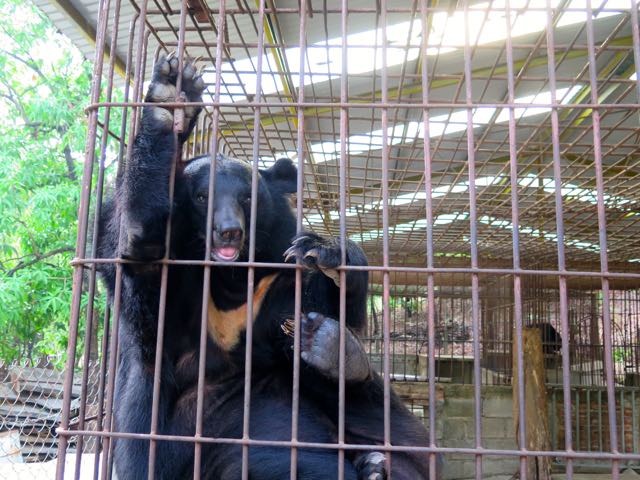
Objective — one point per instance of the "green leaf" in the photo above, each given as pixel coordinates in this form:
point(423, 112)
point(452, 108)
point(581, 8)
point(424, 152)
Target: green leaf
point(44, 87)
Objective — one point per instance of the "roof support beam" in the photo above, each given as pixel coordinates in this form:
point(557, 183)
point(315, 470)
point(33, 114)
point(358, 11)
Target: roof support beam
point(419, 279)
point(88, 30)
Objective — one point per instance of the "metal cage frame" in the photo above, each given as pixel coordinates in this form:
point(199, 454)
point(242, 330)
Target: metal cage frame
point(473, 186)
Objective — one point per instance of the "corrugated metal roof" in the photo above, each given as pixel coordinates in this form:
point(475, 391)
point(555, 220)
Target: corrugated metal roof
point(621, 155)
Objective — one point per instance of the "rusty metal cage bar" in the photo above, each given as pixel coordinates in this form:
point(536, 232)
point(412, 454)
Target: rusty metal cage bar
point(301, 153)
point(562, 281)
point(83, 216)
point(602, 228)
point(428, 166)
point(213, 149)
point(429, 237)
point(344, 115)
point(473, 244)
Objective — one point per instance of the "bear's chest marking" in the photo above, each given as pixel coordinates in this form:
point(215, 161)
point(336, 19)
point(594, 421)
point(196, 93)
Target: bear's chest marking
point(225, 326)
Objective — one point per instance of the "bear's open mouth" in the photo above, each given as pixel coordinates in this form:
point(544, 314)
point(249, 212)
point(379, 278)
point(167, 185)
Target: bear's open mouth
point(225, 254)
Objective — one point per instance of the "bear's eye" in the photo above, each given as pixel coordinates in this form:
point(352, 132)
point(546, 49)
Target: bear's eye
point(201, 198)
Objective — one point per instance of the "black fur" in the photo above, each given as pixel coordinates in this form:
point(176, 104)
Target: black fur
point(140, 208)
point(551, 339)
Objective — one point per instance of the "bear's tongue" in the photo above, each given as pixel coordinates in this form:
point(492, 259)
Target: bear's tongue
point(226, 253)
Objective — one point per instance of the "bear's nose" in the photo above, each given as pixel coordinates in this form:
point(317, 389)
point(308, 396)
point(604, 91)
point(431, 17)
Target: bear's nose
point(231, 234)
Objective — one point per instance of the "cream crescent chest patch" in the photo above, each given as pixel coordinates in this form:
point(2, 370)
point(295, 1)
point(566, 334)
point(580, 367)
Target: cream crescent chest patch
point(225, 326)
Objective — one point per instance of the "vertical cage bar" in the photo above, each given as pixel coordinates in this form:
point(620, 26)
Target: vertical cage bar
point(252, 244)
point(623, 445)
point(635, 428)
point(81, 239)
point(300, 149)
point(473, 245)
point(344, 124)
point(602, 235)
point(515, 237)
point(94, 242)
point(107, 446)
point(101, 388)
point(385, 231)
point(562, 280)
point(588, 420)
point(431, 367)
point(213, 149)
point(157, 375)
point(577, 419)
point(635, 40)
point(123, 146)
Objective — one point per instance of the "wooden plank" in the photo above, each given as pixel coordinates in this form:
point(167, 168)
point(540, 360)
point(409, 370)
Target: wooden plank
point(46, 381)
point(537, 434)
point(46, 404)
point(48, 375)
point(36, 430)
point(25, 411)
point(7, 395)
point(417, 391)
point(49, 404)
point(39, 451)
point(35, 440)
point(31, 405)
point(51, 390)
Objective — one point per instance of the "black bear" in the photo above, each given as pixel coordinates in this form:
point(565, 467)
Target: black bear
point(134, 226)
point(551, 339)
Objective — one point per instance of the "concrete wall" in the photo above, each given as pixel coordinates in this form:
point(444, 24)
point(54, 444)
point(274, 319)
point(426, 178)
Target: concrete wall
point(455, 426)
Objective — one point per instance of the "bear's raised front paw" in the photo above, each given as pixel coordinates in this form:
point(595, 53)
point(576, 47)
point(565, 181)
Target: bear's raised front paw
point(319, 342)
point(163, 88)
point(316, 253)
point(371, 466)
point(320, 347)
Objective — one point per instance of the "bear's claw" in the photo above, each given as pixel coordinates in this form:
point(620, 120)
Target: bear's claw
point(316, 253)
point(163, 88)
point(371, 466)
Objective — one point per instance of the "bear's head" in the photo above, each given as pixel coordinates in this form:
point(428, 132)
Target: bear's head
point(275, 221)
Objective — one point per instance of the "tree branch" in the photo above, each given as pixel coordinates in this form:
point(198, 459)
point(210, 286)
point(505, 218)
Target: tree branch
point(34, 244)
point(31, 64)
point(70, 167)
point(11, 97)
point(38, 257)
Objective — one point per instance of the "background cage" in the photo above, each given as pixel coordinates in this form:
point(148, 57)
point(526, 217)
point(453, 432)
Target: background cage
point(484, 154)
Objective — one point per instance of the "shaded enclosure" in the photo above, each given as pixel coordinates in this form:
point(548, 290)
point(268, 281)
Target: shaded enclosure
point(453, 333)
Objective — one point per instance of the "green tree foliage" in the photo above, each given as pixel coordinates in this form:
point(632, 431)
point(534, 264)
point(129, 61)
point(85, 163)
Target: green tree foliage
point(44, 86)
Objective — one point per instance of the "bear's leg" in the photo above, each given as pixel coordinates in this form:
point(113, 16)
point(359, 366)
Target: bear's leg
point(364, 410)
point(132, 411)
point(320, 348)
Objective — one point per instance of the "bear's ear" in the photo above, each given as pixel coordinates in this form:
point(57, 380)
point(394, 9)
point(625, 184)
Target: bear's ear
point(282, 174)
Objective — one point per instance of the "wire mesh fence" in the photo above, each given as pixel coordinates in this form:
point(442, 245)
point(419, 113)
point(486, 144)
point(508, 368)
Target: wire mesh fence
point(485, 157)
point(31, 399)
